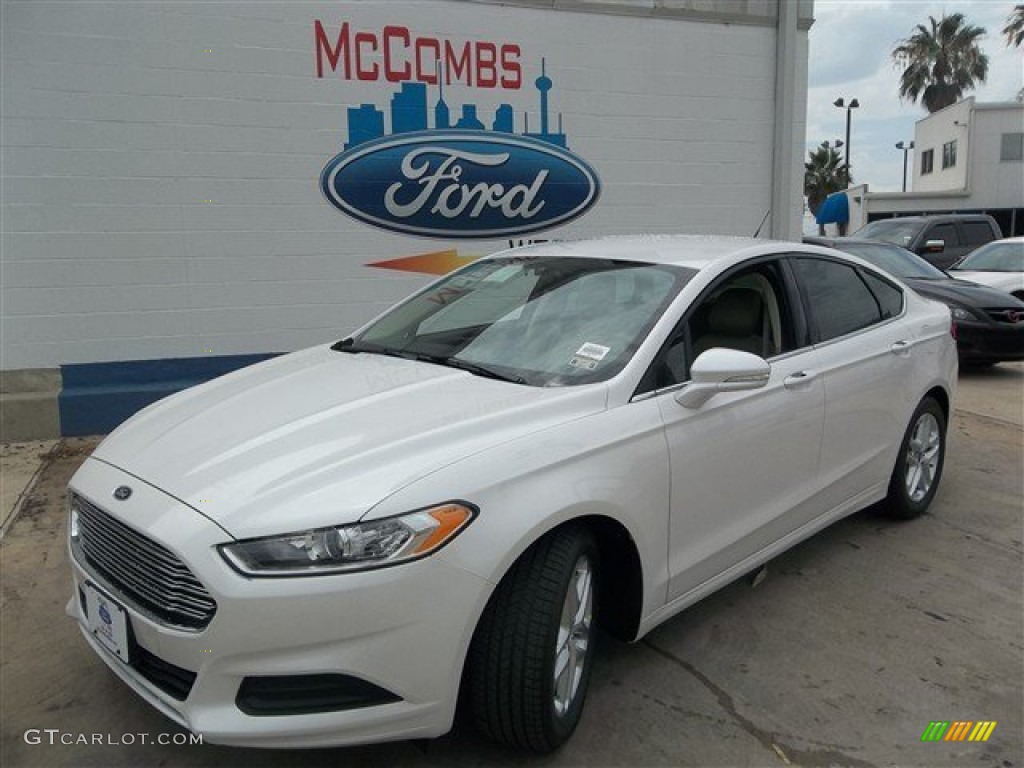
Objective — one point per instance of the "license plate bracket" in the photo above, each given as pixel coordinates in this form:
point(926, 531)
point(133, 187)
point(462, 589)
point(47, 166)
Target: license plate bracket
point(107, 621)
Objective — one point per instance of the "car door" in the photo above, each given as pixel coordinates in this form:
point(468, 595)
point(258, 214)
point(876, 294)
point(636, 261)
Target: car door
point(744, 464)
point(976, 234)
point(953, 247)
point(864, 352)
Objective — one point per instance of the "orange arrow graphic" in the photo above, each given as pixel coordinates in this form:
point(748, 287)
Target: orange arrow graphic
point(436, 263)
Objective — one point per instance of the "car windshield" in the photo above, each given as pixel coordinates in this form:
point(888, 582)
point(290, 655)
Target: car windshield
point(995, 257)
point(543, 321)
point(893, 259)
point(896, 231)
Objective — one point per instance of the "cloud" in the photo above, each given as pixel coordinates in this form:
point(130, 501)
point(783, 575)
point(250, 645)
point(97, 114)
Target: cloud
point(850, 56)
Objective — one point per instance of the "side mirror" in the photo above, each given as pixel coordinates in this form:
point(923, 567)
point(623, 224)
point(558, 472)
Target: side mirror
point(722, 370)
point(935, 246)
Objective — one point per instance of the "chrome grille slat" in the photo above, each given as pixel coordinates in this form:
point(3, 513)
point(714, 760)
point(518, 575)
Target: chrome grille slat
point(122, 547)
point(126, 580)
point(143, 571)
point(98, 519)
point(108, 560)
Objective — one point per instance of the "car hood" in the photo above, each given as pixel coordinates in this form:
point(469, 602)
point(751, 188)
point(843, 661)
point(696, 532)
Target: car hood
point(962, 292)
point(319, 437)
point(993, 279)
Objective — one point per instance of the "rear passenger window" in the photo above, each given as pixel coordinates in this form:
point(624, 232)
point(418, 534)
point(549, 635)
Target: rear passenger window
point(839, 299)
point(890, 298)
point(946, 233)
point(978, 232)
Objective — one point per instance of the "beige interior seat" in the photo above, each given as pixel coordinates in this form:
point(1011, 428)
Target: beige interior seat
point(734, 322)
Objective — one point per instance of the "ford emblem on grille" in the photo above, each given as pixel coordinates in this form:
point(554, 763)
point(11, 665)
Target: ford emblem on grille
point(122, 492)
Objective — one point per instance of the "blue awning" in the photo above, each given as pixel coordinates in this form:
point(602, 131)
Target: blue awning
point(835, 209)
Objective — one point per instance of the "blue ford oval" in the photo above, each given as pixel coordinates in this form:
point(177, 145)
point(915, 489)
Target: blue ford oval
point(460, 184)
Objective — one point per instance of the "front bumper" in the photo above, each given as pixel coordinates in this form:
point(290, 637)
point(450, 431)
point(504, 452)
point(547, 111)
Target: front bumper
point(402, 630)
point(989, 342)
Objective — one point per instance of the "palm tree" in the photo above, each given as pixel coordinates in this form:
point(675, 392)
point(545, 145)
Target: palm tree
point(1014, 29)
point(823, 175)
point(941, 63)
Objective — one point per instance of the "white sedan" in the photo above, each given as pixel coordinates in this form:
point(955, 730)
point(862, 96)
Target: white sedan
point(326, 548)
point(1000, 264)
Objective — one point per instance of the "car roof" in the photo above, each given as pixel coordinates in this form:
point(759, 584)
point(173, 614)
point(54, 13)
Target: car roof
point(934, 217)
point(693, 251)
point(839, 242)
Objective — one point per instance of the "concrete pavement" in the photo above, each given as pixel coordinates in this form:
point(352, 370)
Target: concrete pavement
point(20, 464)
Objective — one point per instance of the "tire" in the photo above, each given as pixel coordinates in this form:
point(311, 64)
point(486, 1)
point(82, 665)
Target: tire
point(915, 478)
point(539, 619)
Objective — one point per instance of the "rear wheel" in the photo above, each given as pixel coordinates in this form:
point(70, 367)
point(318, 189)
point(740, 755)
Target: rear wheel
point(529, 665)
point(915, 479)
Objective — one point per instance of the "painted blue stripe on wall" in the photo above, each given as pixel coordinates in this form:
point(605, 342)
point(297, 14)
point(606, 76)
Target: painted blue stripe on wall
point(98, 396)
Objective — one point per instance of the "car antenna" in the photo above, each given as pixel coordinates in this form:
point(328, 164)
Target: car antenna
point(766, 214)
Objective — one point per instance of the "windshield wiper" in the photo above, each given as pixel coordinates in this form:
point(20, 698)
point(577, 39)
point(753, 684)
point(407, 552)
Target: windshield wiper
point(474, 368)
point(354, 347)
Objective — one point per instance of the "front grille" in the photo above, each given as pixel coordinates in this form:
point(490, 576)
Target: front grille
point(1011, 316)
point(143, 571)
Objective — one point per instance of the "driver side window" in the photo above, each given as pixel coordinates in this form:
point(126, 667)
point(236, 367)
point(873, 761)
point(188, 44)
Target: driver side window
point(748, 311)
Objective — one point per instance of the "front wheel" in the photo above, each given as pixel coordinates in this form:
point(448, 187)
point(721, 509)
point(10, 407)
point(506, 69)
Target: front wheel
point(529, 664)
point(915, 479)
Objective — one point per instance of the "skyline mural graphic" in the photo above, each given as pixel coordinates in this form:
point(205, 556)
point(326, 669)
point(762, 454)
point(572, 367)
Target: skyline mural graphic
point(409, 112)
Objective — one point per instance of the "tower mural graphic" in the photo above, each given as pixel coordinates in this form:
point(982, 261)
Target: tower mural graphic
point(409, 112)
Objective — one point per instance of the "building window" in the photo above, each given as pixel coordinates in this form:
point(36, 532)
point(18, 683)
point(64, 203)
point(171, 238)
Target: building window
point(927, 161)
point(1012, 150)
point(949, 154)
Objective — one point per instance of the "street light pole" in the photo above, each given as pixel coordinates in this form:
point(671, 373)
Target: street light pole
point(906, 148)
point(841, 103)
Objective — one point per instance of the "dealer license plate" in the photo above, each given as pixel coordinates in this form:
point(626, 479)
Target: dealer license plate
point(107, 621)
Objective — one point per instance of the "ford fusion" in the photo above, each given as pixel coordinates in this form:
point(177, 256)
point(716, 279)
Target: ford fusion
point(332, 546)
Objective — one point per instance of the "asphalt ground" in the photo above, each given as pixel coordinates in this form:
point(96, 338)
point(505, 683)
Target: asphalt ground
point(854, 642)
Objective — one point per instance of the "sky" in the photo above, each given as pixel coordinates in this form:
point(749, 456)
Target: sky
point(850, 57)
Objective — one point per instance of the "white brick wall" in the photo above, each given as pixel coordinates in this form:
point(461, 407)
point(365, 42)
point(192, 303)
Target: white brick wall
point(118, 125)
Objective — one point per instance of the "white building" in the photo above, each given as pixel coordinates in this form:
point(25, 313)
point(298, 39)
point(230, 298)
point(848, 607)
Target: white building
point(181, 189)
point(967, 158)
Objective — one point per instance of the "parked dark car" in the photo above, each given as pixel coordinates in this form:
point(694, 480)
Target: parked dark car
point(940, 240)
point(990, 323)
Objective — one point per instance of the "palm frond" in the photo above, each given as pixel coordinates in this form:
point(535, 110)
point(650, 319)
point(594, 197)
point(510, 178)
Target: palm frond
point(940, 62)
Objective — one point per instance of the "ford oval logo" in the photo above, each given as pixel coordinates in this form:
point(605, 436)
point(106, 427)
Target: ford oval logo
point(460, 184)
point(122, 492)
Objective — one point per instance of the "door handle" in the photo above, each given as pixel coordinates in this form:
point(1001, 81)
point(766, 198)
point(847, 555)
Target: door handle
point(901, 348)
point(799, 380)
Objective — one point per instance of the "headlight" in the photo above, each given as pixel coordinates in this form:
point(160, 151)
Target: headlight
point(355, 547)
point(959, 313)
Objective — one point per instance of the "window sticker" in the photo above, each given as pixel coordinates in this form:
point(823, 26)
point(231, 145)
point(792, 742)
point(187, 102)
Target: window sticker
point(589, 355)
point(592, 351)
